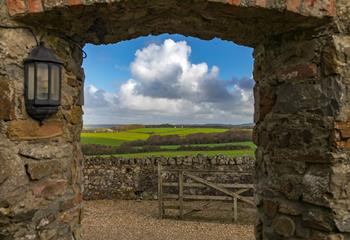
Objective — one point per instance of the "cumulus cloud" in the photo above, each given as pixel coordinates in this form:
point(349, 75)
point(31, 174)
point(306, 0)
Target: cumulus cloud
point(166, 87)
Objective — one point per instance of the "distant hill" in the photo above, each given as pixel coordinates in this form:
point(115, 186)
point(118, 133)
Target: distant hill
point(166, 125)
point(209, 125)
point(96, 126)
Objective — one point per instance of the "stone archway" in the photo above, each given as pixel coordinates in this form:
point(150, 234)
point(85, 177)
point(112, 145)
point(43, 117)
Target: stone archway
point(302, 100)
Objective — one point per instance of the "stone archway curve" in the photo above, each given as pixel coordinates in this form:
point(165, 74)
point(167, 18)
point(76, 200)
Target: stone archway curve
point(301, 51)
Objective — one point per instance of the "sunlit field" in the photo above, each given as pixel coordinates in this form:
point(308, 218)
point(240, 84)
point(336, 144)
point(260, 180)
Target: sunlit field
point(112, 138)
point(118, 138)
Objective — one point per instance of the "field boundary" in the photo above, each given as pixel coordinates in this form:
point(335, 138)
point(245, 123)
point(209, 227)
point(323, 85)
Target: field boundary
point(136, 178)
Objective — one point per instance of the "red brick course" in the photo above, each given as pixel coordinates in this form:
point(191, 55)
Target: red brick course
point(16, 7)
point(35, 6)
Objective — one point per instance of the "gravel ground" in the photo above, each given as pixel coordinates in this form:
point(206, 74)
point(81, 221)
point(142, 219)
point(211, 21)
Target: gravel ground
point(131, 220)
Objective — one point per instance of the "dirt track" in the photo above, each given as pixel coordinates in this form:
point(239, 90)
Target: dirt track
point(131, 220)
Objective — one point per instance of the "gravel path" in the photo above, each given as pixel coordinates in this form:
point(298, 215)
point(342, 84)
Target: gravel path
point(131, 220)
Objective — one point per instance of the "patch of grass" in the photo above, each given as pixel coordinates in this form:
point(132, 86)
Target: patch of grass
point(117, 138)
point(232, 153)
point(245, 143)
point(111, 139)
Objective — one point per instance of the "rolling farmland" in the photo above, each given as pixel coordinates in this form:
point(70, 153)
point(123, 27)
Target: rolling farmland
point(118, 139)
point(112, 138)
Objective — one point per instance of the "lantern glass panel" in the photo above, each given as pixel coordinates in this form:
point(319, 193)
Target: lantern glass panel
point(55, 82)
point(31, 79)
point(42, 91)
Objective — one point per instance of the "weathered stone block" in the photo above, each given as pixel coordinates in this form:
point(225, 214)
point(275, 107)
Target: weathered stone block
point(31, 129)
point(38, 170)
point(344, 129)
point(290, 186)
point(45, 151)
point(70, 216)
point(290, 208)
point(12, 174)
point(260, 3)
point(7, 100)
point(71, 202)
point(293, 5)
point(300, 71)
point(340, 181)
point(49, 189)
point(336, 56)
point(47, 234)
point(49, 4)
point(74, 115)
point(343, 223)
point(318, 8)
point(345, 144)
point(335, 237)
point(316, 184)
point(284, 226)
point(270, 208)
point(74, 2)
point(292, 98)
point(318, 219)
point(265, 97)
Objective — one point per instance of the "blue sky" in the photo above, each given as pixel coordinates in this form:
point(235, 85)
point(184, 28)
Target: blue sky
point(118, 80)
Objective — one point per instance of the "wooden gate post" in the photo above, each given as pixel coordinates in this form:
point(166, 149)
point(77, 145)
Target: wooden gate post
point(181, 193)
point(160, 191)
point(235, 212)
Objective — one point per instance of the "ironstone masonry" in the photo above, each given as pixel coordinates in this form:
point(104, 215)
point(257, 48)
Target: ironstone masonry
point(302, 107)
point(136, 178)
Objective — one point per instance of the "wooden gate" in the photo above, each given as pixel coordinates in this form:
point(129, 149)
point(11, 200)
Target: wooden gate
point(230, 191)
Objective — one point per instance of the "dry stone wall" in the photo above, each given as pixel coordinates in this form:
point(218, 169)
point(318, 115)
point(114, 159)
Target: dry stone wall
point(135, 178)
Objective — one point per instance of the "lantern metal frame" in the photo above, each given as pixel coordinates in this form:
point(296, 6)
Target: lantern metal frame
point(38, 108)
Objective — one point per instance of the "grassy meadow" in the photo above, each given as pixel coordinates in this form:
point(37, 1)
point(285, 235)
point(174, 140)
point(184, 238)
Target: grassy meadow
point(112, 138)
point(117, 138)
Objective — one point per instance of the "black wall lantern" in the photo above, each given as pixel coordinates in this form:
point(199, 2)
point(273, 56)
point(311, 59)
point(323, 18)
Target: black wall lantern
point(43, 79)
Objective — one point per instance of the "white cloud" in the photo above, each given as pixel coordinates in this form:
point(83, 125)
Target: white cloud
point(166, 87)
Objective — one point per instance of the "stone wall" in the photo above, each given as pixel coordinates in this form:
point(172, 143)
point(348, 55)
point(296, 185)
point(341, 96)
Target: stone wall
point(40, 164)
point(302, 102)
point(120, 178)
point(302, 133)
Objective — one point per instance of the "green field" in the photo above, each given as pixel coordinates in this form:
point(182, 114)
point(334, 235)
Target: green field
point(117, 138)
point(112, 139)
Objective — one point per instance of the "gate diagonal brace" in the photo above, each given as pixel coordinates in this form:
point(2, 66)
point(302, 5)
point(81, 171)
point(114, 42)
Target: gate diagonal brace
point(221, 189)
